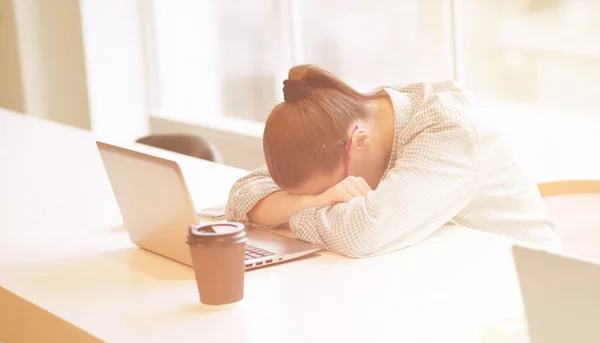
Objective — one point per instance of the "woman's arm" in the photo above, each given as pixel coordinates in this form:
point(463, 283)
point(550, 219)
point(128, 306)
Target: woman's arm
point(277, 208)
point(433, 180)
point(256, 198)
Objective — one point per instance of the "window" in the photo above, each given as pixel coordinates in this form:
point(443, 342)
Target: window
point(544, 53)
point(217, 59)
point(227, 58)
point(370, 43)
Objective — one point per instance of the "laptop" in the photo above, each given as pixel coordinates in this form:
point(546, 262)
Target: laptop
point(561, 295)
point(157, 210)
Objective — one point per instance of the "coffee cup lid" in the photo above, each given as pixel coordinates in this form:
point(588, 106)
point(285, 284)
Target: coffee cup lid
point(215, 230)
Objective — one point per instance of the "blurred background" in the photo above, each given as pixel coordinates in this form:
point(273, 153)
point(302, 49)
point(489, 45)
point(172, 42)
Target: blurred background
point(214, 68)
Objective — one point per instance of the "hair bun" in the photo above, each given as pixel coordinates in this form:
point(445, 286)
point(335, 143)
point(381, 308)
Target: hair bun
point(295, 90)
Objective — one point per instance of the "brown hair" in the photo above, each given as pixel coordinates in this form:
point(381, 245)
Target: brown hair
point(306, 134)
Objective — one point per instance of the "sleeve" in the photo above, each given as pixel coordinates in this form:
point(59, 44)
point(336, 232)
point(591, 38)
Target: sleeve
point(247, 192)
point(432, 181)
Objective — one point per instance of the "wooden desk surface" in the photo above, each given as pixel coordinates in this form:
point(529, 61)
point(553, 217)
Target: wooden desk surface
point(69, 273)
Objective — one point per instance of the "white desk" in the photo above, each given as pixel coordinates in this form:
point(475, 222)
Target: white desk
point(68, 272)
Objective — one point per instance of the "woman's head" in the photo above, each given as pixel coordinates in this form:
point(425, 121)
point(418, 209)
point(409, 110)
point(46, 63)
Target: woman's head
point(306, 136)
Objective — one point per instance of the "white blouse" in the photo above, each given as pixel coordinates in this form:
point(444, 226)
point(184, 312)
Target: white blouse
point(449, 166)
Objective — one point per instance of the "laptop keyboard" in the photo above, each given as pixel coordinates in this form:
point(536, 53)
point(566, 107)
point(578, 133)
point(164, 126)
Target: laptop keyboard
point(254, 252)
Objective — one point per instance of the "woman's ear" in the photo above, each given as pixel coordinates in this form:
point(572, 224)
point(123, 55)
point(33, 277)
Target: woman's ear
point(362, 139)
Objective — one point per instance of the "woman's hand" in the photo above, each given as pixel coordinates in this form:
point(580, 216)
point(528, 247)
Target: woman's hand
point(350, 188)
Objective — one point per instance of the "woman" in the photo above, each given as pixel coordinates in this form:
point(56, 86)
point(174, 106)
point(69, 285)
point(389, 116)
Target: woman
point(366, 174)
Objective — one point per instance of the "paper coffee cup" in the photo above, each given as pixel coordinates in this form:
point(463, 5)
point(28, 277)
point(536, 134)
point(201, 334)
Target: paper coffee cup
point(218, 257)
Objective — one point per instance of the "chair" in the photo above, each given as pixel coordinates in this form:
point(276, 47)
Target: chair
point(574, 205)
point(184, 144)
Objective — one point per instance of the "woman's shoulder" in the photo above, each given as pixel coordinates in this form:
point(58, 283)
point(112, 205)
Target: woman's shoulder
point(426, 91)
point(431, 101)
point(431, 107)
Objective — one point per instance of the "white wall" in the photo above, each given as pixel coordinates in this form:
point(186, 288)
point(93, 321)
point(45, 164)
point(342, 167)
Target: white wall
point(11, 88)
point(50, 48)
point(78, 62)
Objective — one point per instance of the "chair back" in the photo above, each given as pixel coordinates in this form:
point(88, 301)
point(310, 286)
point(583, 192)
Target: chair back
point(185, 144)
point(574, 205)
